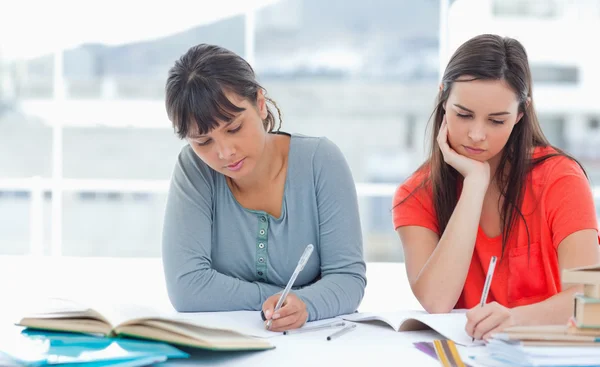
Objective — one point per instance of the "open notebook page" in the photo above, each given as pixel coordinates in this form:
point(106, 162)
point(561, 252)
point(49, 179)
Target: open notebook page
point(449, 325)
point(245, 322)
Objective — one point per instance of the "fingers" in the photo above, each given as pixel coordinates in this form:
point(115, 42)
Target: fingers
point(288, 309)
point(487, 325)
point(442, 140)
point(291, 315)
point(269, 306)
point(292, 321)
point(498, 329)
point(475, 316)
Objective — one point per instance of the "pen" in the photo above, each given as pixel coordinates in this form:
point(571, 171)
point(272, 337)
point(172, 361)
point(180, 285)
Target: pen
point(488, 281)
point(341, 332)
point(303, 259)
point(313, 328)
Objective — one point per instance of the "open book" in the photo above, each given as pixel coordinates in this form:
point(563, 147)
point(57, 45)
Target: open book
point(449, 325)
point(141, 322)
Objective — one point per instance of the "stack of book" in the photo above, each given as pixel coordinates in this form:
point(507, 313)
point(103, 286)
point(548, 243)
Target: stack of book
point(574, 344)
point(586, 310)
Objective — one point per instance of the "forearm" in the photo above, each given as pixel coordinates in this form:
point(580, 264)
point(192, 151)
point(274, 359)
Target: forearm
point(441, 280)
point(207, 290)
point(553, 311)
point(333, 295)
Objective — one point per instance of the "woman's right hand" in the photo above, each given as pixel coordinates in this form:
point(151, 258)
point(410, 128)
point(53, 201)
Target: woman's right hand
point(467, 167)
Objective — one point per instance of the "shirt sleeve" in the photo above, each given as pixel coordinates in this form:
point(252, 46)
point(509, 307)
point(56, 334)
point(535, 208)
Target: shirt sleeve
point(343, 272)
point(413, 205)
point(569, 201)
point(192, 284)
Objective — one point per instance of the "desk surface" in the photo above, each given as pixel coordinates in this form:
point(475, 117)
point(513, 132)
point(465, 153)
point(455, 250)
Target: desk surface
point(141, 281)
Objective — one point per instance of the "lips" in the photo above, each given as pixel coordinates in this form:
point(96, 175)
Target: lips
point(472, 150)
point(235, 164)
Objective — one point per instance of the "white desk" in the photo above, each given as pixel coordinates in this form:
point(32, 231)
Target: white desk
point(142, 281)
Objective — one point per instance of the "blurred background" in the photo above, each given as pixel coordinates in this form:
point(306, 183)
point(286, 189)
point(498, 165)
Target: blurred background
point(86, 149)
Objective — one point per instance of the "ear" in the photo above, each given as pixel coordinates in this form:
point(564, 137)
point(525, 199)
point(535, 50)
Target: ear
point(520, 115)
point(261, 104)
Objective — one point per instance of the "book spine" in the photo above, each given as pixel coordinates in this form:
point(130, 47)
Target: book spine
point(592, 290)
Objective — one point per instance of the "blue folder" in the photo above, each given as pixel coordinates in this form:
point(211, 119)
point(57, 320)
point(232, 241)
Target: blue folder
point(42, 348)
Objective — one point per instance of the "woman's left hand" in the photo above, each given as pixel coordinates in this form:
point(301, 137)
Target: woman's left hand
point(482, 322)
point(291, 315)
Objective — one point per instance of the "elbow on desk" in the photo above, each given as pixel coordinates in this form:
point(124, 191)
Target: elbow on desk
point(433, 308)
point(433, 304)
point(184, 299)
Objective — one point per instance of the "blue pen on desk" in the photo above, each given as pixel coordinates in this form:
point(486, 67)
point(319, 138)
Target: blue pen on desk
point(303, 259)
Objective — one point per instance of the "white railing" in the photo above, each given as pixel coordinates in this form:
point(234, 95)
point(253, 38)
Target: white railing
point(37, 186)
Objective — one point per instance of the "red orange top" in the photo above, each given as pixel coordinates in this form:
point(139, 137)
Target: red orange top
point(557, 203)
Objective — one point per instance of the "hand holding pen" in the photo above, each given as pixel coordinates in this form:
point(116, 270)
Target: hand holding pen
point(474, 316)
point(293, 314)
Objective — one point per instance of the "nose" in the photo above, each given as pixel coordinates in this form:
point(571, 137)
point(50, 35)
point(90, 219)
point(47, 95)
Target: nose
point(477, 132)
point(226, 149)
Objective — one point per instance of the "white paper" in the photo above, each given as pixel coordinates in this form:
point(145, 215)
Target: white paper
point(450, 325)
point(245, 322)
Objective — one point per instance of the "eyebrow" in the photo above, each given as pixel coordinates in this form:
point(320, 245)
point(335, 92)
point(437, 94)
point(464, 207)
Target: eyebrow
point(491, 114)
point(227, 123)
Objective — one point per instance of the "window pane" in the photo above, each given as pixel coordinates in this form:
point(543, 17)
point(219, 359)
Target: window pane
point(364, 74)
point(113, 224)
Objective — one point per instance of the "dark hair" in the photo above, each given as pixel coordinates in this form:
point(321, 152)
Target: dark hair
point(196, 87)
point(489, 57)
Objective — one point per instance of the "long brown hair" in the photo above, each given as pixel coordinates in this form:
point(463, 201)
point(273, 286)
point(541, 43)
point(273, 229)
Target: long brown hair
point(489, 57)
point(196, 86)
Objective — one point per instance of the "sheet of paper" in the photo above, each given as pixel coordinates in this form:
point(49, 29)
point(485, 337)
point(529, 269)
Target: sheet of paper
point(245, 322)
point(450, 325)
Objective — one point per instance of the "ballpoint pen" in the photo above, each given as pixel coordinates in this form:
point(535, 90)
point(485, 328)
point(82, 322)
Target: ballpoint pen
point(488, 281)
point(303, 259)
point(341, 332)
point(314, 328)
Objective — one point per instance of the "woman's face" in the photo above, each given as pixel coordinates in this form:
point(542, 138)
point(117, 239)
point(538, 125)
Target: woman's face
point(481, 115)
point(234, 147)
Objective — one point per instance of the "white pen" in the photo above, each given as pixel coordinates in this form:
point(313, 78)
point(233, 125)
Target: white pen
point(488, 281)
point(313, 328)
point(341, 332)
point(303, 259)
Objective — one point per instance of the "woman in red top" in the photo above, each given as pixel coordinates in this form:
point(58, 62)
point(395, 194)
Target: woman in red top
point(494, 186)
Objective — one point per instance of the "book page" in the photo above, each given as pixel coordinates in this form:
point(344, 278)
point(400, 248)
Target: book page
point(244, 322)
point(191, 335)
point(124, 313)
point(59, 308)
point(450, 325)
point(393, 319)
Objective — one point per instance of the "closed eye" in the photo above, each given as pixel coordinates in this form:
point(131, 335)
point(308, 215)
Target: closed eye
point(204, 143)
point(463, 116)
point(233, 131)
point(497, 122)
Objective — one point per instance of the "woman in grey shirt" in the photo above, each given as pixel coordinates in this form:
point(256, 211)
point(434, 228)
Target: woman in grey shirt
point(245, 201)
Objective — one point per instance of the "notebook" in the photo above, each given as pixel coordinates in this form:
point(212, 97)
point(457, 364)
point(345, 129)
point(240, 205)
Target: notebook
point(449, 325)
point(514, 353)
point(142, 322)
